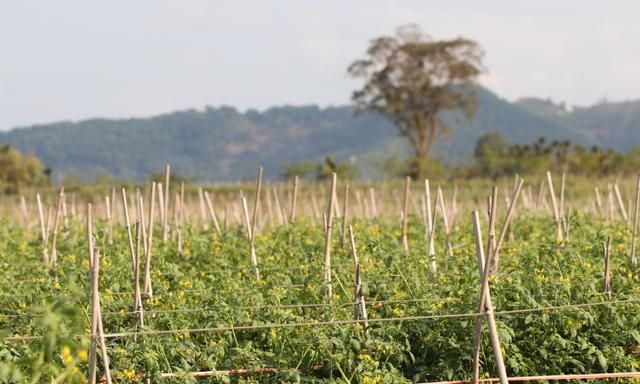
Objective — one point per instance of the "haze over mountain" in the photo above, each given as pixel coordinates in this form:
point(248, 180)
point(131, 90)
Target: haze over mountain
point(223, 144)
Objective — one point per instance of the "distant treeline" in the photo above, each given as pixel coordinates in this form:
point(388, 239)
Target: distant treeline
point(494, 157)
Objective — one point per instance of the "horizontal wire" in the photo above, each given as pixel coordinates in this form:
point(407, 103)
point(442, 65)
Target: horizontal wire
point(339, 322)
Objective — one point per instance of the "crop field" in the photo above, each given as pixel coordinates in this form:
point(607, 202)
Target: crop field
point(320, 282)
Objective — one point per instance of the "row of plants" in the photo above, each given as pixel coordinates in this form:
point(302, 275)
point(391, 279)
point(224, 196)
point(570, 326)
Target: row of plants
point(211, 286)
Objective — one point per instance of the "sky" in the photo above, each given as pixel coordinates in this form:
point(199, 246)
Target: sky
point(78, 59)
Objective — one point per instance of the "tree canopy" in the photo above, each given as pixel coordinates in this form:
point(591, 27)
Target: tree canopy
point(18, 170)
point(411, 78)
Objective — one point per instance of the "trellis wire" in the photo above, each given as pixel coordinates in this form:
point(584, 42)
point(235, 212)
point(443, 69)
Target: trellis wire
point(337, 322)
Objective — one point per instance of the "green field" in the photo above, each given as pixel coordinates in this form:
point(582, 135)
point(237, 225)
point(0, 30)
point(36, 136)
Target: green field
point(209, 312)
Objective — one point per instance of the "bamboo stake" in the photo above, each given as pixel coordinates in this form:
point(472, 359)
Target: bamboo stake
point(148, 289)
point(212, 213)
point(507, 221)
point(203, 214)
point(140, 210)
point(345, 214)
point(445, 221)
point(634, 235)
point(247, 225)
point(256, 204)
point(359, 205)
point(49, 218)
point(181, 219)
point(606, 286)
point(623, 210)
point(294, 198)
point(45, 256)
point(101, 338)
point(405, 211)
point(314, 205)
point(137, 306)
point(327, 243)
point(54, 251)
point(428, 214)
point(360, 308)
point(485, 305)
point(278, 207)
point(431, 248)
point(127, 222)
point(161, 205)
point(167, 178)
point(556, 213)
point(94, 320)
point(598, 202)
point(493, 208)
point(25, 212)
point(109, 217)
point(610, 202)
point(96, 313)
point(374, 207)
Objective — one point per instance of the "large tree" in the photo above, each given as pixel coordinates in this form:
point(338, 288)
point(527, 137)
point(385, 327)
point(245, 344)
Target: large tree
point(411, 79)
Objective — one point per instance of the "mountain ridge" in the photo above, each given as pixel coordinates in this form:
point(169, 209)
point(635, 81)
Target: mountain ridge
point(224, 144)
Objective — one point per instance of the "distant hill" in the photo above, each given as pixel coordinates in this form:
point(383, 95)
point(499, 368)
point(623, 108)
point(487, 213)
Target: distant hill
point(223, 144)
point(608, 125)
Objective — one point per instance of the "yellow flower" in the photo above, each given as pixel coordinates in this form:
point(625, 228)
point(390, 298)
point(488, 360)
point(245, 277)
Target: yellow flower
point(67, 358)
point(82, 355)
point(372, 380)
point(129, 373)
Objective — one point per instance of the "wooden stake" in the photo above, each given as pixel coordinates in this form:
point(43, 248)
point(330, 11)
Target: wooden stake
point(431, 248)
point(493, 213)
point(485, 306)
point(634, 232)
point(623, 210)
point(54, 252)
point(161, 204)
point(256, 204)
point(203, 214)
point(345, 214)
point(556, 213)
point(109, 214)
point(598, 202)
point(374, 207)
point(507, 221)
point(45, 255)
point(606, 286)
point(181, 219)
point(405, 214)
point(137, 307)
point(148, 289)
point(127, 222)
point(247, 226)
point(428, 214)
point(278, 207)
point(212, 213)
point(25, 213)
point(445, 221)
point(294, 198)
point(165, 227)
point(327, 242)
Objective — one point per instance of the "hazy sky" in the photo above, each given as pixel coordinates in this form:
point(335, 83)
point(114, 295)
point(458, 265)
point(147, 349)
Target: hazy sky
point(66, 59)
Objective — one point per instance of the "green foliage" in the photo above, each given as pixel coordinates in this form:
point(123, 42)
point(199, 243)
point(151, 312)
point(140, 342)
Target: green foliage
point(18, 171)
point(345, 170)
point(210, 285)
point(495, 157)
point(412, 79)
point(301, 169)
